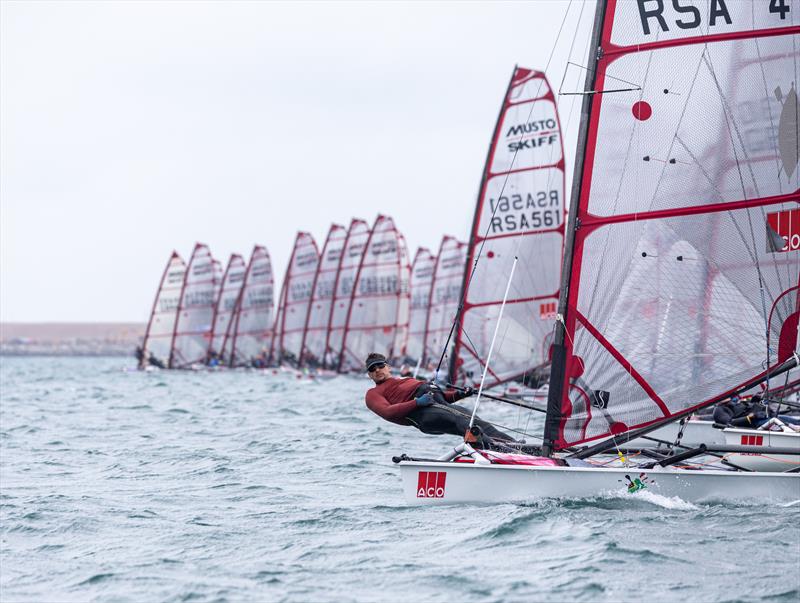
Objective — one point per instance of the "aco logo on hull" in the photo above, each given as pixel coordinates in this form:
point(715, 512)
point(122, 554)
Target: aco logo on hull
point(431, 484)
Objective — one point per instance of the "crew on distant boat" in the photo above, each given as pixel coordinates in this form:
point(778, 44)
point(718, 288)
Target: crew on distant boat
point(143, 362)
point(408, 401)
point(741, 413)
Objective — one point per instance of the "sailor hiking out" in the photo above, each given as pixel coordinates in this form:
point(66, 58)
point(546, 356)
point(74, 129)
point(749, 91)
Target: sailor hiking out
point(408, 401)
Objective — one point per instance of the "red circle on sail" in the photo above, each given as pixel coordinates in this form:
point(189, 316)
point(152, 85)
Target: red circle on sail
point(618, 428)
point(490, 254)
point(642, 110)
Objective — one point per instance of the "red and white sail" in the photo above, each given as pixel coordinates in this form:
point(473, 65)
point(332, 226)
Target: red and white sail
point(378, 316)
point(225, 307)
point(421, 281)
point(318, 316)
point(445, 294)
point(192, 331)
point(354, 246)
point(249, 335)
point(520, 213)
point(158, 336)
point(683, 280)
point(294, 300)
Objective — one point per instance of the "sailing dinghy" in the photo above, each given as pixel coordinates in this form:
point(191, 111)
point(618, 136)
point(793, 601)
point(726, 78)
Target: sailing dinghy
point(160, 327)
point(422, 270)
point(225, 307)
point(673, 268)
point(192, 332)
point(249, 335)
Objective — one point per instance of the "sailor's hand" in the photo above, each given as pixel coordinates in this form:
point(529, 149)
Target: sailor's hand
point(465, 393)
point(425, 400)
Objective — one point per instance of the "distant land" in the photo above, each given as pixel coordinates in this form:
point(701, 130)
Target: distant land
point(70, 338)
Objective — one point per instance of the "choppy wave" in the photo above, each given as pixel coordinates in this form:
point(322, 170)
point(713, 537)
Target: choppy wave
point(242, 486)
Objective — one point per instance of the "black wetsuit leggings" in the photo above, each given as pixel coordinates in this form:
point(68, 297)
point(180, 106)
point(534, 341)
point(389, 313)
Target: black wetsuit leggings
point(442, 418)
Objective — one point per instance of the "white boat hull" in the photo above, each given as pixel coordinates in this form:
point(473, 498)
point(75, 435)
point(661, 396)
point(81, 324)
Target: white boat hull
point(436, 483)
point(767, 439)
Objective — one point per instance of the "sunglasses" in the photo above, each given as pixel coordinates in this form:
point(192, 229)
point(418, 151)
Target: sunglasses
point(375, 367)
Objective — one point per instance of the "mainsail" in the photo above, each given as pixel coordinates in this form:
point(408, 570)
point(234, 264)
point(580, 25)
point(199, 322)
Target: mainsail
point(448, 275)
point(294, 300)
point(250, 331)
point(681, 275)
point(160, 327)
point(421, 281)
point(226, 304)
point(195, 311)
point(316, 328)
point(355, 244)
point(378, 316)
point(520, 212)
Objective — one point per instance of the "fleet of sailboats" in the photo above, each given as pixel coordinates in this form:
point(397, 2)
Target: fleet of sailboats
point(668, 282)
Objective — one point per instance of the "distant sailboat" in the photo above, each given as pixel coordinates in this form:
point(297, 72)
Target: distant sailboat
point(520, 212)
point(379, 305)
point(249, 336)
point(421, 280)
point(192, 330)
point(158, 336)
point(294, 301)
point(225, 307)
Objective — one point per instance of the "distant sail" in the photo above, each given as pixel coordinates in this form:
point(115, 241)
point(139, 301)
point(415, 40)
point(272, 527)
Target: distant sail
point(678, 292)
point(421, 281)
point(250, 332)
point(318, 316)
point(158, 336)
point(355, 244)
point(196, 310)
point(448, 276)
point(294, 300)
point(378, 316)
point(226, 303)
point(520, 212)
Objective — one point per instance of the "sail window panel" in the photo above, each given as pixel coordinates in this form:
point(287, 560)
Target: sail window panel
point(523, 202)
point(226, 302)
point(523, 341)
point(193, 328)
point(421, 281)
point(671, 285)
point(645, 21)
point(531, 89)
point(158, 340)
point(532, 278)
point(694, 145)
point(529, 136)
point(253, 322)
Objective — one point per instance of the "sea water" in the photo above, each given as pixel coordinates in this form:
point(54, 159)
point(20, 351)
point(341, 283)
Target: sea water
point(233, 485)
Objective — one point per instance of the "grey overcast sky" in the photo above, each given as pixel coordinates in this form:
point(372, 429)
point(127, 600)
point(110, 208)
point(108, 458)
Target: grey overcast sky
point(129, 129)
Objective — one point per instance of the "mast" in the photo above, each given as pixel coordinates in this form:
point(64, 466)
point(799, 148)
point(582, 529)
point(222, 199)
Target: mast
point(558, 363)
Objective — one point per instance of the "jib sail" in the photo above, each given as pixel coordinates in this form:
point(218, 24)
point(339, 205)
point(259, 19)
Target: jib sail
point(520, 212)
point(448, 276)
point(355, 244)
point(294, 300)
point(421, 281)
point(195, 311)
point(378, 316)
point(158, 336)
point(681, 275)
point(250, 331)
point(322, 287)
point(226, 304)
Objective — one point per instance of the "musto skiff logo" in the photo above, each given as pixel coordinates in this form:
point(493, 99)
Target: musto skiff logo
point(637, 483)
point(430, 484)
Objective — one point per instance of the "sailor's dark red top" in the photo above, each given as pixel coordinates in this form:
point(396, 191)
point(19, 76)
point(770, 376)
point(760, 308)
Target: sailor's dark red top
point(394, 399)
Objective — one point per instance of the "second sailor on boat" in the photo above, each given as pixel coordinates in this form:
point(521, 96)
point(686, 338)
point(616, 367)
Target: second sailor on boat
point(408, 401)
